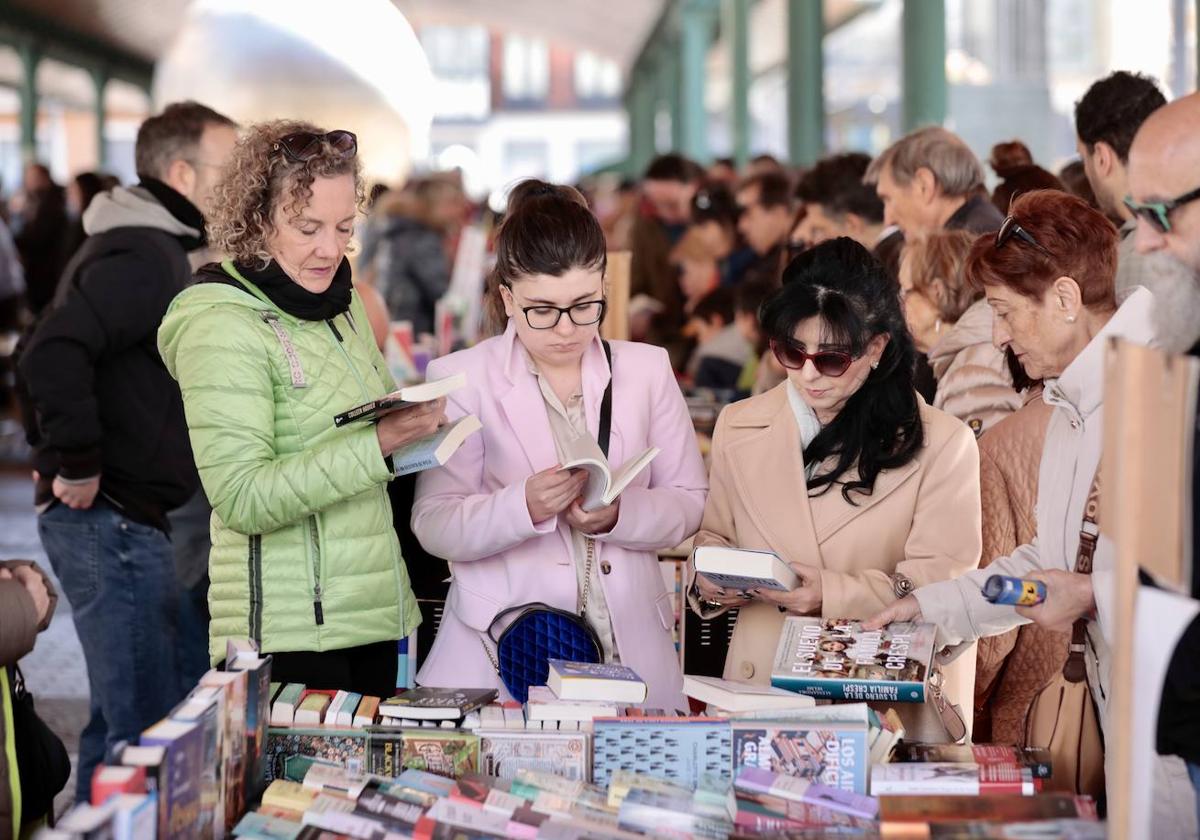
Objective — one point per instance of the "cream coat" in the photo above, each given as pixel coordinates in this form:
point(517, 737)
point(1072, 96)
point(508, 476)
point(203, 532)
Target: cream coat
point(973, 382)
point(922, 520)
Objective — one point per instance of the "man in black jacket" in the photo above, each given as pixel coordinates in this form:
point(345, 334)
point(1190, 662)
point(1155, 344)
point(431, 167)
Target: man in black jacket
point(106, 420)
point(1164, 182)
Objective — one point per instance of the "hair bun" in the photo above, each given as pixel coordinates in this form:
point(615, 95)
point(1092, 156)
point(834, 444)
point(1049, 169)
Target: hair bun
point(535, 189)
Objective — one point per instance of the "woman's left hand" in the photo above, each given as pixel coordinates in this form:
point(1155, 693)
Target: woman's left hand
point(805, 599)
point(599, 521)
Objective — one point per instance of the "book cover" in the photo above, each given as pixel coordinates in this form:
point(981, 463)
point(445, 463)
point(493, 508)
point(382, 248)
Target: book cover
point(184, 756)
point(291, 751)
point(1036, 759)
point(654, 812)
point(374, 802)
point(430, 703)
point(992, 809)
point(836, 659)
point(283, 710)
point(770, 784)
point(385, 751)
point(595, 681)
point(256, 826)
point(311, 711)
point(771, 816)
point(135, 815)
point(436, 449)
point(743, 569)
point(678, 749)
point(944, 778)
point(234, 685)
point(423, 392)
point(426, 782)
point(117, 779)
point(153, 762)
point(444, 752)
point(367, 711)
point(258, 719)
point(204, 709)
point(503, 754)
point(345, 714)
point(835, 755)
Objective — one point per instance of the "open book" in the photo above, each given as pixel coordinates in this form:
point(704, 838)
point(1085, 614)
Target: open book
point(434, 450)
point(604, 485)
point(411, 395)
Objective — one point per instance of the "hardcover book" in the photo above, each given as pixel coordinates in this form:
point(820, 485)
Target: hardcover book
point(258, 718)
point(429, 703)
point(234, 685)
point(503, 753)
point(836, 659)
point(677, 749)
point(836, 755)
point(204, 709)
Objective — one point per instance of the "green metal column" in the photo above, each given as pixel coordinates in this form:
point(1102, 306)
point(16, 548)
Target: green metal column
point(697, 20)
point(31, 56)
point(737, 30)
point(100, 82)
point(639, 103)
point(672, 71)
point(924, 60)
point(806, 81)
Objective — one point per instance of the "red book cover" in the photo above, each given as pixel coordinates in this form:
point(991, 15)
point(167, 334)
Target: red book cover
point(110, 781)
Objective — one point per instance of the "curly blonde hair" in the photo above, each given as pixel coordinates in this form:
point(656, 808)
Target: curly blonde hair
point(258, 178)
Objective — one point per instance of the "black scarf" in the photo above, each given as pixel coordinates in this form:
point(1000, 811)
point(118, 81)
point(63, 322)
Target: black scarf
point(178, 206)
point(298, 301)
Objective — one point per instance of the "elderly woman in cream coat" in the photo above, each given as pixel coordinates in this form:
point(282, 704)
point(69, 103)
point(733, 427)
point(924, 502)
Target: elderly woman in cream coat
point(1049, 277)
point(862, 517)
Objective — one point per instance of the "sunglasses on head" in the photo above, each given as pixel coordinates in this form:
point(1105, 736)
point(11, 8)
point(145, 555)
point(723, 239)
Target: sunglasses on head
point(1158, 213)
point(827, 362)
point(303, 146)
point(1012, 228)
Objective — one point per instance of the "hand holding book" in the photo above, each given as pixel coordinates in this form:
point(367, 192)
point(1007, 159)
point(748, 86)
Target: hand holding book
point(907, 608)
point(550, 492)
point(598, 521)
point(805, 599)
point(396, 429)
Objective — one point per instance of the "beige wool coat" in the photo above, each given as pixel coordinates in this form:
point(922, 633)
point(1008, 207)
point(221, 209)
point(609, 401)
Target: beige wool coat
point(922, 521)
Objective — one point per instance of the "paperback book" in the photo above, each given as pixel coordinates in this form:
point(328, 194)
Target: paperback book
point(405, 397)
point(743, 568)
point(429, 703)
point(835, 659)
point(943, 778)
point(587, 681)
point(1035, 759)
point(836, 755)
point(680, 750)
point(604, 483)
point(504, 753)
point(733, 697)
point(444, 752)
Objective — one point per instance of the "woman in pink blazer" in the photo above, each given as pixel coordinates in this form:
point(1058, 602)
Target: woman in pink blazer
point(502, 512)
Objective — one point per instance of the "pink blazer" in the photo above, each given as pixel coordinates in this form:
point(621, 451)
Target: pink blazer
point(473, 512)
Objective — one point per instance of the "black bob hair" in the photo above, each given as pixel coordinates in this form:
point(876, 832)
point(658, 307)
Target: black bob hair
point(879, 428)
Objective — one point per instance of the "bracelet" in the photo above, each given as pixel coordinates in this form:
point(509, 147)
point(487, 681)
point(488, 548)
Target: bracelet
point(902, 585)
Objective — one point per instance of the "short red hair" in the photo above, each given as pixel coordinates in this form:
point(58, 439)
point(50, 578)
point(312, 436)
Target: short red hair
point(1081, 239)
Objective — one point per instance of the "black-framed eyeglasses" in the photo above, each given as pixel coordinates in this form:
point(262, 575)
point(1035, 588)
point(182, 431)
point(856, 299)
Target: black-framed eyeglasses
point(827, 362)
point(1158, 213)
point(542, 316)
point(303, 146)
point(1012, 228)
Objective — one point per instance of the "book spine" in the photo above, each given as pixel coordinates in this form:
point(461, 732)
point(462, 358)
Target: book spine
point(853, 690)
point(418, 465)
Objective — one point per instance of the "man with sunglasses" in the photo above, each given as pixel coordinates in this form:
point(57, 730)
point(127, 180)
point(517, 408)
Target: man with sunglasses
point(1106, 120)
point(106, 421)
point(1164, 174)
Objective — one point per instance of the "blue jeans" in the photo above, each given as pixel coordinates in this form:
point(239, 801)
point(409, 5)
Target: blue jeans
point(190, 541)
point(119, 577)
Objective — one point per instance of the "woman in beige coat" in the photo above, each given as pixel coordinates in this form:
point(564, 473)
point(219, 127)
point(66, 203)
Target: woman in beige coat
point(841, 470)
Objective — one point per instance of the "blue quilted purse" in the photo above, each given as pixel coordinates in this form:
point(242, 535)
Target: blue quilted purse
point(540, 632)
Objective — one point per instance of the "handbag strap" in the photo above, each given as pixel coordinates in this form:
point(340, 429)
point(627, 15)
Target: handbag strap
point(605, 431)
point(1075, 668)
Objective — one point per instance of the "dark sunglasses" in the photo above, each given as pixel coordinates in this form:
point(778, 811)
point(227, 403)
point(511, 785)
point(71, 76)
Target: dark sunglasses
point(303, 146)
point(827, 362)
point(1158, 213)
point(1012, 228)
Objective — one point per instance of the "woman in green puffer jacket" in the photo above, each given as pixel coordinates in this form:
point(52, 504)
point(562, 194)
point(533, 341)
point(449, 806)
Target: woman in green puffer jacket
point(268, 347)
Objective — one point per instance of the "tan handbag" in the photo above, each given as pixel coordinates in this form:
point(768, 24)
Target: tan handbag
point(1063, 720)
point(1063, 717)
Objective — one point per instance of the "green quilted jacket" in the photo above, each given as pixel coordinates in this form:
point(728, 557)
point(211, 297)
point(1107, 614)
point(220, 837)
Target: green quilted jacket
point(304, 555)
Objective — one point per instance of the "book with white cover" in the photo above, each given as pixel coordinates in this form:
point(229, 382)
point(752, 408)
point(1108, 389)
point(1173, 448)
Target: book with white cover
point(599, 681)
point(744, 568)
point(436, 449)
point(543, 704)
point(403, 398)
point(733, 696)
point(604, 483)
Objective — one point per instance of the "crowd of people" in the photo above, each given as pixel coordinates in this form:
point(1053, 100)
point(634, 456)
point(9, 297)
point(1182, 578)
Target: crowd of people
point(914, 369)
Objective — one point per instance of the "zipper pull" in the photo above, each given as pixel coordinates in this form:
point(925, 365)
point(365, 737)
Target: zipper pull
point(318, 609)
point(333, 327)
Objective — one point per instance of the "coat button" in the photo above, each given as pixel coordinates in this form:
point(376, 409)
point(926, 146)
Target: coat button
point(605, 567)
point(747, 670)
point(1074, 424)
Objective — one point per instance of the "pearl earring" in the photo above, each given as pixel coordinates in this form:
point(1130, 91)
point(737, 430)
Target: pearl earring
point(1070, 319)
point(874, 365)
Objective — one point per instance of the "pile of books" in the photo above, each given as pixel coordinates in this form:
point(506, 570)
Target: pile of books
point(332, 803)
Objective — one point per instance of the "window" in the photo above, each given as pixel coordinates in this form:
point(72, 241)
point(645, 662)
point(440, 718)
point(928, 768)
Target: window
point(526, 69)
point(596, 78)
point(456, 52)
